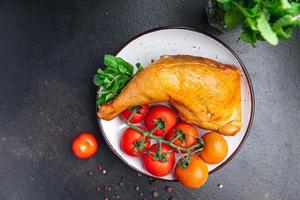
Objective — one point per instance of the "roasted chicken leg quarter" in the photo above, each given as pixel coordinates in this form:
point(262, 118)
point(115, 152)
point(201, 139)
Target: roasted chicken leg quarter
point(206, 93)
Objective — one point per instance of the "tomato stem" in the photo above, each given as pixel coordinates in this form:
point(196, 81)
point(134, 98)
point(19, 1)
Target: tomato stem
point(160, 124)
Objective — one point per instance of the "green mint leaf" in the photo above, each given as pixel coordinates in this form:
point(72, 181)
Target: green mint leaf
point(285, 4)
point(253, 12)
point(251, 23)
point(244, 11)
point(266, 20)
point(110, 61)
point(224, 4)
point(284, 26)
point(287, 20)
point(285, 33)
point(265, 29)
point(248, 36)
point(295, 8)
point(233, 18)
point(274, 8)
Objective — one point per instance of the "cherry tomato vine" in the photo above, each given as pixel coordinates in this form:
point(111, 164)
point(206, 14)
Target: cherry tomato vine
point(185, 153)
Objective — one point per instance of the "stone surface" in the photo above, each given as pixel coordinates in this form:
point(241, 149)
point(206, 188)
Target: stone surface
point(49, 51)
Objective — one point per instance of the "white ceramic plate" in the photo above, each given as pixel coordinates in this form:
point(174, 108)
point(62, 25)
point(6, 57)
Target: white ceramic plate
point(154, 43)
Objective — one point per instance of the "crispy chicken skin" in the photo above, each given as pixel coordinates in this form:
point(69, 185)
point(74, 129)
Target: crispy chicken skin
point(206, 93)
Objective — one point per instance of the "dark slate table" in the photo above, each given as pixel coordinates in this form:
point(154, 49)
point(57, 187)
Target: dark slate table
point(49, 51)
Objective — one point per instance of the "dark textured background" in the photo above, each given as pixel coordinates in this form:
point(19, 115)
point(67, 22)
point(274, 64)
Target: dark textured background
point(49, 51)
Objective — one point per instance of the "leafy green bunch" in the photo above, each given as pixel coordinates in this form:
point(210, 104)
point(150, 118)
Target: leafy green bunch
point(113, 78)
point(266, 20)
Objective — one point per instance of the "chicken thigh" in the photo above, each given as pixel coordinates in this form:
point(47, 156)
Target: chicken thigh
point(206, 93)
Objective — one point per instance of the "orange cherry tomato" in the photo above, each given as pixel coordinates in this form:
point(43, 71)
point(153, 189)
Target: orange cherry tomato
point(215, 148)
point(189, 135)
point(194, 175)
point(84, 145)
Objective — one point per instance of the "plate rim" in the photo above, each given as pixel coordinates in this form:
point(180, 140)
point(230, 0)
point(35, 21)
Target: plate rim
point(246, 75)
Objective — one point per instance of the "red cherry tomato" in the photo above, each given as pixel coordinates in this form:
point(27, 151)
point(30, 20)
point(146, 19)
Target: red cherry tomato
point(84, 145)
point(131, 141)
point(160, 112)
point(138, 116)
point(159, 167)
point(188, 135)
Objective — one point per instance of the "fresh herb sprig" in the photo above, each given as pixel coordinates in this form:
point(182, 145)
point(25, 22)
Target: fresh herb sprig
point(266, 20)
point(113, 78)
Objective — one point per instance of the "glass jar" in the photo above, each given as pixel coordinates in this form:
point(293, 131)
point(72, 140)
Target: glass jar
point(215, 16)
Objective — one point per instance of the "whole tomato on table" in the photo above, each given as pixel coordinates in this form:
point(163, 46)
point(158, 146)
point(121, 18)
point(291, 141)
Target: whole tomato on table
point(160, 112)
point(84, 145)
point(159, 163)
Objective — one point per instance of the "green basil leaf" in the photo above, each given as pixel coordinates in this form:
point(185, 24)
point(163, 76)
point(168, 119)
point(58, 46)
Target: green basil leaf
point(115, 87)
point(99, 70)
point(125, 64)
point(122, 80)
point(112, 71)
point(106, 74)
point(110, 61)
point(98, 81)
point(123, 69)
point(265, 29)
point(107, 81)
point(104, 91)
point(113, 78)
point(100, 100)
point(109, 97)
